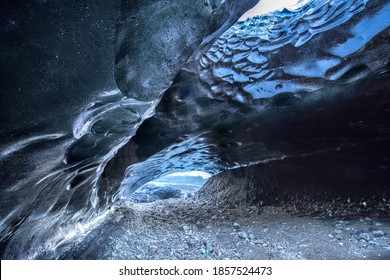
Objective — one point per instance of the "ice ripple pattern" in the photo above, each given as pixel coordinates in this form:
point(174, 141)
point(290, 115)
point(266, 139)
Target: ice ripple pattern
point(264, 56)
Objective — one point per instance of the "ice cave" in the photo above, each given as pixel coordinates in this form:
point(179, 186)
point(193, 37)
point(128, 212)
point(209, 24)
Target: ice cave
point(156, 129)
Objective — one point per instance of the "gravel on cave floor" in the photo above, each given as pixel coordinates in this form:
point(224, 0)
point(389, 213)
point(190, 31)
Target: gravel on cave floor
point(193, 229)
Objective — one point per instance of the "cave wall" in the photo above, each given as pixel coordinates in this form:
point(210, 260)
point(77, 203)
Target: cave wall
point(354, 173)
point(54, 56)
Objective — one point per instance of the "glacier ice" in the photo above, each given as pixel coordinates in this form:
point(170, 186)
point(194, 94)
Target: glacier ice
point(275, 90)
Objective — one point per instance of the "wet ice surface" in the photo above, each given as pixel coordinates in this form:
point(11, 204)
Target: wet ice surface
point(258, 58)
point(104, 124)
point(61, 185)
point(290, 69)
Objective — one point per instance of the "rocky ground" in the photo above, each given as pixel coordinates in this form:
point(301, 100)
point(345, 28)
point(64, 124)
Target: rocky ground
point(192, 229)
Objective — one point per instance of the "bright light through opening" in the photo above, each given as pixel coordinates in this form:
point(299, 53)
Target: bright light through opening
point(191, 173)
point(266, 6)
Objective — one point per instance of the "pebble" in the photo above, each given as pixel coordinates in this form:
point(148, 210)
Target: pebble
point(364, 236)
point(243, 235)
point(153, 249)
point(191, 242)
point(380, 242)
point(378, 233)
point(186, 228)
point(252, 236)
point(378, 224)
point(236, 225)
point(338, 236)
point(119, 218)
point(338, 231)
point(207, 249)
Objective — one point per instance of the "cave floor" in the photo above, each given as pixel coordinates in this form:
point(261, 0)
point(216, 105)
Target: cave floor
point(192, 229)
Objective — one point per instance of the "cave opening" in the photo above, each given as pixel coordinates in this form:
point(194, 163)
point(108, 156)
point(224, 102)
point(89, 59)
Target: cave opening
point(175, 185)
